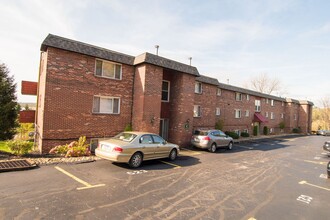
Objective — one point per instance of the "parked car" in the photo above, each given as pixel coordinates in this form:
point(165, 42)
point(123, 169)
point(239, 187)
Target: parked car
point(135, 147)
point(211, 140)
point(326, 146)
point(323, 132)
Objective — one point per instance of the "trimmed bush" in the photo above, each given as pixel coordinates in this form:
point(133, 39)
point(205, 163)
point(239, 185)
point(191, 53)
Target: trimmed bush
point(20, 147)
point(232, 134)
point(296, 130)
point(245, 134)
point(266, 130)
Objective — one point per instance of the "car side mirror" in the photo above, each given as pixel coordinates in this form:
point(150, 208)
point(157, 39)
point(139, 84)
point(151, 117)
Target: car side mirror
point(164, 142)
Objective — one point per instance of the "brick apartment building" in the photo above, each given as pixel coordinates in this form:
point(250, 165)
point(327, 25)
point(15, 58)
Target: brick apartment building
point(95, 92)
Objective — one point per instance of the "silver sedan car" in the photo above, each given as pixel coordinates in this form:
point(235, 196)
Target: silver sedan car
point(211, 140)
point(135, 147)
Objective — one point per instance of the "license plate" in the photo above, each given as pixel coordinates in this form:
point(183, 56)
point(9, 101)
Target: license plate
point(105, 147)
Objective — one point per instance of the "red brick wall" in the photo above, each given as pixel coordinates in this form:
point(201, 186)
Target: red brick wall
point(147, 98)
point(29, 88)
point(181, 108)
point(68, 98)
point(27, 116)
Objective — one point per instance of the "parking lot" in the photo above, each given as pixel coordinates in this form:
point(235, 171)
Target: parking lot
point(276, 178)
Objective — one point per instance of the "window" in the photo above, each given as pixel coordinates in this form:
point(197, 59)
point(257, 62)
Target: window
point(295, 117)
point(165, 91)
point(215, 133)
point(197, 111)
point(247, 113)
point(238, 113)
point(238, 96)
point(107, 105)
point(266, 114)
point(157, 139)
point(282, 115)
point(272, 102)
point(257, 106)
point(272, 116)
point(271, 130)
point(246, 130)
point(146, 139)
point(247, 97)
point(108, 69)
point(267, 101)
point(237, 132)
point(218, 92)
point(217, 111)
point(198, 87)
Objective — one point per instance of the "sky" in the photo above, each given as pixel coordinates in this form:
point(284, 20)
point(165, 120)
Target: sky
point(231, 40)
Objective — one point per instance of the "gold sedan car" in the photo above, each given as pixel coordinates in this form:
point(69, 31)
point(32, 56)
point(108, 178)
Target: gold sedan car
point(135, 147)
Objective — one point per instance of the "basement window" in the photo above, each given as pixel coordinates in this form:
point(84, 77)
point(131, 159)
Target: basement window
point(108, 69)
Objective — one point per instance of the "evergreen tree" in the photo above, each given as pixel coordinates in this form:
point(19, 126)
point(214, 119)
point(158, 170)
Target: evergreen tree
point(8, 104)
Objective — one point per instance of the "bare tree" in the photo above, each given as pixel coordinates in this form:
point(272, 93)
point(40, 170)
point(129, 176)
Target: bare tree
point(321, 116)
point(265, 84)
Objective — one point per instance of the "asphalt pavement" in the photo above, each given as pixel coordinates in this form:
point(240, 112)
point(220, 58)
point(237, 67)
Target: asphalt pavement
point(274, 178)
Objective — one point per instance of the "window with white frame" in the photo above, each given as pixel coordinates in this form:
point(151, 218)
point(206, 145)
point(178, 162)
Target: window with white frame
point(238, 96)
point(271, 130)
point(266, 114)
point(217, 111)
point(165, 91)
point(106, 105)
point(272, 102)
point(295, 117)
point(197, 111)
point(198, 87)
point(247, 113)
point(282, 115)
point(257, 105)
point(272, 116)
point(246, 130)
point(238, 113)
point(267, 101)
point(238, 132)
point(218, 92)
point(108, 69)
point(247, 97)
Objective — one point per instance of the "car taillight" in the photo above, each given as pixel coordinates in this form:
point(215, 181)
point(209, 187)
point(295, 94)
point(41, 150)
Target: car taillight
point(117, 149)
point(206, 138)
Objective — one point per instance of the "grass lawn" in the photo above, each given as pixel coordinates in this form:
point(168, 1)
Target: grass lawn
point(3, 147)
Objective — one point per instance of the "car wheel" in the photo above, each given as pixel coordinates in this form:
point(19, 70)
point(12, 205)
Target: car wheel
point(173, 154)
point(136, 160)
point(230, 146)
point(213, 148)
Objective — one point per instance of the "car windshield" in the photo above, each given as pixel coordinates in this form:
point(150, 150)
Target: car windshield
point(127, 137)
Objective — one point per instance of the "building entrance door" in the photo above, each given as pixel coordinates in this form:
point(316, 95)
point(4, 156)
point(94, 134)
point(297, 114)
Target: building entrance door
point(163, 128)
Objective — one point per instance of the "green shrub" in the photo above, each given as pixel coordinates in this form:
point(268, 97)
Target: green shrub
point(266, 130)
point(74, 149)
point(282, 125)
point(245, 134)
point(20, 147)
point(255, 130)
point(219, 125)
point(232, 134)
point(296, 130)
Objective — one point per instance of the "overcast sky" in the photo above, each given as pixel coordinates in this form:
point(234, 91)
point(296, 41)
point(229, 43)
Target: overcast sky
point(227, 39)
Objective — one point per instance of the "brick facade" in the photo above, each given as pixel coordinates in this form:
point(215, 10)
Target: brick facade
point(68, 83)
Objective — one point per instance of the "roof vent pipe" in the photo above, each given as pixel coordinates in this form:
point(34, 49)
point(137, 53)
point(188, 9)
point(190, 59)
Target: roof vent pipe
point(157, 46)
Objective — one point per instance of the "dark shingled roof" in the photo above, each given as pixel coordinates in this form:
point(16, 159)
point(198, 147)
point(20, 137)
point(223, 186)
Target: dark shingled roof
point(250, 92)
point(208, 80)
point(166, 63)
point(83, 48)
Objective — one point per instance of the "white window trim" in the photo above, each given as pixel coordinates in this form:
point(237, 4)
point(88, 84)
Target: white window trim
point(247, 97)
point(247, 113)
point(107, 97)
point(272, 115)
point(106, 61)
point(201, 88)
point(282, 115)
point(272, 102)
point(238, 96)
point(266, 114)
point(168, 97)
point(257, 108)
point(217, 111)
point(240, 113)
point(199, 113)
point(219, 92)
